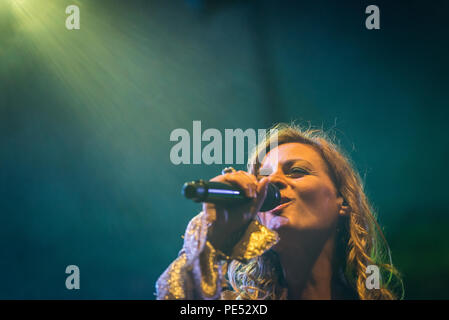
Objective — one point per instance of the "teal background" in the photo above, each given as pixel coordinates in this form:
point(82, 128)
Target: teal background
point(86, 115)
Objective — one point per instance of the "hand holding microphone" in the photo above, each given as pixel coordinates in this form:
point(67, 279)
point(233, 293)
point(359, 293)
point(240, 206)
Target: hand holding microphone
point(232, 200)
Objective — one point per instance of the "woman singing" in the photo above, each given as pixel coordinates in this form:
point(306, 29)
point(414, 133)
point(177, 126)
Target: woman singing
point(317, 244)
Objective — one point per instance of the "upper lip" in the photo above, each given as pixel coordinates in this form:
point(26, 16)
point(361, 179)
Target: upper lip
point(285, 199)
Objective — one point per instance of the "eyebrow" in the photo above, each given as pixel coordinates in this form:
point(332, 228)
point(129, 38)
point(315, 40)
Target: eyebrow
point(289, 163)
point(292, 161)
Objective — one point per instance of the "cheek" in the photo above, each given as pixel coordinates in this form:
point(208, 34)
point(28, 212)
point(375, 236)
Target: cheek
point(320, 201)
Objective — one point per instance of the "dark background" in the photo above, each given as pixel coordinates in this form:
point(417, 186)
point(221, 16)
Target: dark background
point(86, 115)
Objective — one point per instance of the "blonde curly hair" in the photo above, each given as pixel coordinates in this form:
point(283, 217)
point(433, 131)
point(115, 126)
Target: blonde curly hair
point(360, 240)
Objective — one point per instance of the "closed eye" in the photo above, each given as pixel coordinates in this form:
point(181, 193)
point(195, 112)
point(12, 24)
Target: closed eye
point(297, 172)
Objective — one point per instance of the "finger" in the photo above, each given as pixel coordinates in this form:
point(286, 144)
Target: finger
point(250, 176)
point(262, 189)
point(222, 177)
point(242, 182)
point(240, 179)
point(251, 181)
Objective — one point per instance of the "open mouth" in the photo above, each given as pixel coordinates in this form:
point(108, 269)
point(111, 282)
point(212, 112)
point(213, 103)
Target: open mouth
point(285, 199)
point(285, 202)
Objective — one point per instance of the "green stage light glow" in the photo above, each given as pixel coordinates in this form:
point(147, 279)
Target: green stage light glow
point(111, 70)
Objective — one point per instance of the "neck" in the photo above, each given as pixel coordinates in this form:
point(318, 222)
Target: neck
point(308, 269)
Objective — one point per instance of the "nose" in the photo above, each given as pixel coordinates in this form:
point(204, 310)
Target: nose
point(278, 180)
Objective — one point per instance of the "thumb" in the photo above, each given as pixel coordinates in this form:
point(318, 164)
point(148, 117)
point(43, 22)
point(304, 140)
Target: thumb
point(261, 193)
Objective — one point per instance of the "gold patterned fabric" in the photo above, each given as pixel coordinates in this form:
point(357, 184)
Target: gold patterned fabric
point(199, 270)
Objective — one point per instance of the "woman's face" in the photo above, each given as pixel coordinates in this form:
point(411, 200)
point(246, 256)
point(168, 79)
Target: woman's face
point(310, 201)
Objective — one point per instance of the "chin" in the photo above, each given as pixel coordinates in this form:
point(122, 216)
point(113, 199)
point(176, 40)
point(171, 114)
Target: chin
point(277, 222)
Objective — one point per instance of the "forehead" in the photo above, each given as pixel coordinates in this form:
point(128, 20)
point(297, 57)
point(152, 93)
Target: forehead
point(293, 150)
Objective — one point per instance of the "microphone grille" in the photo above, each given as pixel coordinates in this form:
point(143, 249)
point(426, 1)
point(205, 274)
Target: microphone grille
point(273, 198)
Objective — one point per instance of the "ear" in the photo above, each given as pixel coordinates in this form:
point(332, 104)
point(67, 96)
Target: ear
point(345, 209)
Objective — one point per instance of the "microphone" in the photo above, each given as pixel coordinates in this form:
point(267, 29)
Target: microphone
point(225, 194)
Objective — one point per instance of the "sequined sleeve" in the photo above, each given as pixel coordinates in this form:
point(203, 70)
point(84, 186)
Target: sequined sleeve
point(198, 272)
